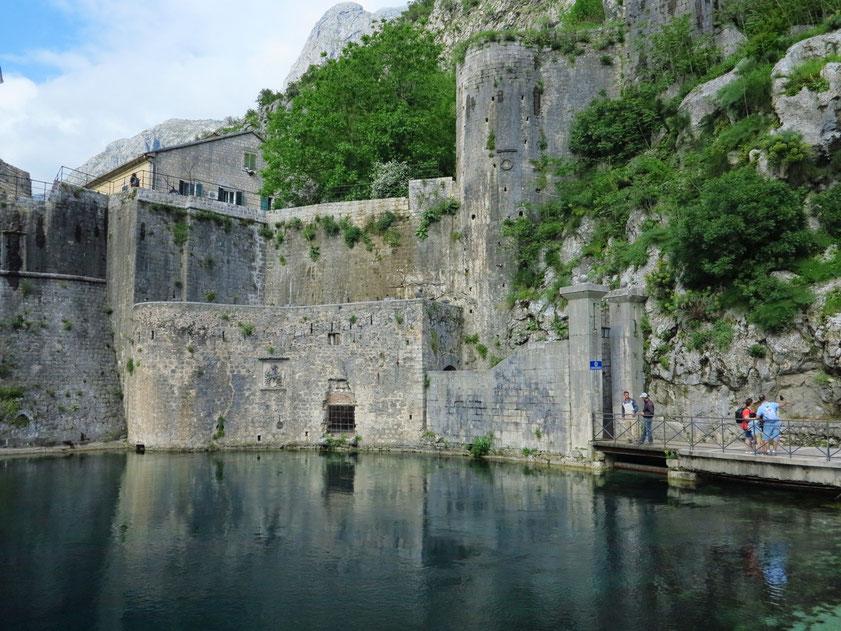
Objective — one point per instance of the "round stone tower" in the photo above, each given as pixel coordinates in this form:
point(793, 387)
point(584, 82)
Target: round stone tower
point(515, 104)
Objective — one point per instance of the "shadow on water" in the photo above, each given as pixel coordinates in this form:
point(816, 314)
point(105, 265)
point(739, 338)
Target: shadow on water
point(287, 540)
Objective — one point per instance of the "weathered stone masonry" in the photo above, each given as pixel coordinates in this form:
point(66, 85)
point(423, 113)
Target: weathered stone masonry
point(272, 373)
point(55, 334)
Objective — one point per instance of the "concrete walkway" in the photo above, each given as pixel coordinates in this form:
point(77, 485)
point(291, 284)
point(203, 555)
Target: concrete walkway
point(805, 465)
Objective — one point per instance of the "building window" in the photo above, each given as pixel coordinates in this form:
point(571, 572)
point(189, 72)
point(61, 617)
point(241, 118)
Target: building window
point(266, 203)
point(334, 339)
point(190, 188)
point(341, 419)
point(230, 197)
point(249, 161)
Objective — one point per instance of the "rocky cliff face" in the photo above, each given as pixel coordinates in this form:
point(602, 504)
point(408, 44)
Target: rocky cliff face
point(344, 23)
point(453, 21)
point(803, 361)
point(171, 132)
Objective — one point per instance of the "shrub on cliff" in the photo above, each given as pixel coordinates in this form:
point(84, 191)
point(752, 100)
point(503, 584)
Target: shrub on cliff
point(617, 129)
point(827, 207)
point(386, 99)
point(742, 228)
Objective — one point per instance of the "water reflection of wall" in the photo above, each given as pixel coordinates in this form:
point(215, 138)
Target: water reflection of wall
point(53, 513)
point(312, 540)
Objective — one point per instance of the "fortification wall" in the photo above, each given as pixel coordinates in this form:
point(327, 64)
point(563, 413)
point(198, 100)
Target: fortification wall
point(523, 401)
point(55, 334)
point(400, 266)
point(514, 105)
point(645, 17)
point(165, 247)
point(65, 234)
point(14, 182)
point(270, 373)
point(56, 345)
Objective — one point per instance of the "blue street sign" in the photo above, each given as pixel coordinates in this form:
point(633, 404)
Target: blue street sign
point(595, 365)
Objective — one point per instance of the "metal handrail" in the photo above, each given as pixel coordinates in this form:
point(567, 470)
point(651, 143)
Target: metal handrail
point(20, 187)
point(169, 183)
point(153, 180)
point(805, 437)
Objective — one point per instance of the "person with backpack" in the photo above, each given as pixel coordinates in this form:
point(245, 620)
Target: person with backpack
point(743, 417)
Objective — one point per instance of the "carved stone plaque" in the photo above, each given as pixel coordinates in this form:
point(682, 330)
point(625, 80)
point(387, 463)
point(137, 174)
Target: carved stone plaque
point(271, 373)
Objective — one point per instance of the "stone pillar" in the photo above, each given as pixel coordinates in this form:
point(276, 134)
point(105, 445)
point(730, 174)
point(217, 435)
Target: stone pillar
point(585, 345)
point(626, 349)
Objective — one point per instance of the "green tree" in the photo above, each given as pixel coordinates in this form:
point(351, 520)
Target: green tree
point(742, 228)
point(385, 99)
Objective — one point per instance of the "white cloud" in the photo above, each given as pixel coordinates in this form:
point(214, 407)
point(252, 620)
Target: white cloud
point(143, 63)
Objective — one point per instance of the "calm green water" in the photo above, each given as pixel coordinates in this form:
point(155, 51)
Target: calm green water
point(320, 541)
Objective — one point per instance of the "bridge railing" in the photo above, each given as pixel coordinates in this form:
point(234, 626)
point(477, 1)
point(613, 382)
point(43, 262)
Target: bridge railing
point(801, 437)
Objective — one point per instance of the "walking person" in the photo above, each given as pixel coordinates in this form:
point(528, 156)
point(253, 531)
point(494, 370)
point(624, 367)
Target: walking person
point(647, 418)
point(747, 415)
point(629, 412)
point(769, 411)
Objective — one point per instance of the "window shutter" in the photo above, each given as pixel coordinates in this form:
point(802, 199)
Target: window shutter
point(239, 198)
point(199, 189)
point(264, 203)
point(221, 195)
point(183, 187)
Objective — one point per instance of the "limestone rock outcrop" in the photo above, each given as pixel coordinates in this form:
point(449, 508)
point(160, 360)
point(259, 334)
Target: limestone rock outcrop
point(814, 115)
point(454, 22)
point(171, 132)
point(702, 101)
point(343, 23)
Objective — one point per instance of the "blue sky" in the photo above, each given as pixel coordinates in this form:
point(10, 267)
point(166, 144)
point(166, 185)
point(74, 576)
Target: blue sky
point(82, 73)
point(33, 25)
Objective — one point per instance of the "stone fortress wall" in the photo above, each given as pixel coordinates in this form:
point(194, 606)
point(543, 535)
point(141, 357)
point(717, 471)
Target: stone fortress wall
point(514, 104)
point(55, 334)
point(405, 269)
point(272, 373)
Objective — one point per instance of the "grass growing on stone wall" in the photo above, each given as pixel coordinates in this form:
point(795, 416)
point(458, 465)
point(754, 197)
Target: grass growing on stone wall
point(247, 328)
point(223, 221)
point(481, 446)
point(434, 214)
point(130, 366)
point(210, 295)
point(156, 207)
point(180, 233)
point(10, 406)
point(571, 39)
